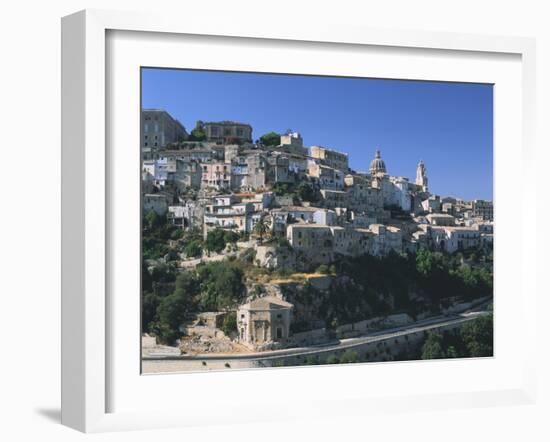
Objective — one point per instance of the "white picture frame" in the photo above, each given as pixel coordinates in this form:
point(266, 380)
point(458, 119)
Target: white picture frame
point(87, 356)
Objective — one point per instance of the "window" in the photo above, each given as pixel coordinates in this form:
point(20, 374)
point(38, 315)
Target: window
point(279, 332)
point(240, 132)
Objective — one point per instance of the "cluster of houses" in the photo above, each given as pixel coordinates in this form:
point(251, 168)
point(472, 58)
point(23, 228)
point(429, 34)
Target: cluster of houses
point(226, 181)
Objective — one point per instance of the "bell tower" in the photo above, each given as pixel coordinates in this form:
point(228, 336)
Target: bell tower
point(421, 177)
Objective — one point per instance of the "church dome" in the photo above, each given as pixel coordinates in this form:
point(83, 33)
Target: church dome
point(377, 165)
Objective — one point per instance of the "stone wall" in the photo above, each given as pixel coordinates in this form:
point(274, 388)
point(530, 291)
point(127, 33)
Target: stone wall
point(379, 323)
point(309, 337)
point(383, 349)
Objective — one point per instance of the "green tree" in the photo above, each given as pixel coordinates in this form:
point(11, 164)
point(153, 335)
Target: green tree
point(176, 234)
point(193, 249)
point(230, 237)
point(271, 139)
point(230, 323)
point(477, 336)
point(173, 309)
point(162, 273)
point(311, 360)
point(433, 347)
point(306, 193)
point(149, 304)
point(221, 285)
point(282, 189)
point(215, 241)
point(424, 262)
point(349, 357)
point(261, 228)
point(323, 269)
point(452, 352)
point(198, 133)
point(152, 220)
point(333, 359)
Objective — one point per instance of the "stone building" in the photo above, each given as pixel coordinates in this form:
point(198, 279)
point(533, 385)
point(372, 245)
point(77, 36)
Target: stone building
point(400, 194)
point(441, 219)
point(186, 215)
point(293, 143)
point(216, 175)
point(231, 152)
point(256, 177)
point(483, 209)
point(228, 132)
point(335, 198)
point(239, 173)
point(320, 243)
point(385, 239)
point(315, 241)
point(364, 198)
point(326, 176)
point(451, 239)
point(329, 157)
point(264, 320)
point(202, 154)
point(188, 175)
point(278, 170)
point(432, 204)
point(159, 128)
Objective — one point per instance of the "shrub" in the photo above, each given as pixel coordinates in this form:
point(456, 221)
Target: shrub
point(271, 139)
point(193, 249)
point(349, 357)
point(324, 269)
point(215, 241)
point(230, 323)
point(230, 237)
point(311, 360)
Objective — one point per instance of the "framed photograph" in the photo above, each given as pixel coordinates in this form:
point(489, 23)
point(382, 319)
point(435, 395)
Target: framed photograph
point(308, 217)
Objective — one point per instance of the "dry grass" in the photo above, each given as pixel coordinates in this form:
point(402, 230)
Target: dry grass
point(295, 278)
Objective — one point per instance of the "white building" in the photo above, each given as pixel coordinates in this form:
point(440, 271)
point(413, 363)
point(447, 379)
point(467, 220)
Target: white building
point(451, 239)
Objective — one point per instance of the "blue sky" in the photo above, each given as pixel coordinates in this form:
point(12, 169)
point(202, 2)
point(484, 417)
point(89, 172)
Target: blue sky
point(448, 125)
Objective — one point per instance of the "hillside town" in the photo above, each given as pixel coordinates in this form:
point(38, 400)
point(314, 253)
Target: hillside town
point(290, 214)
